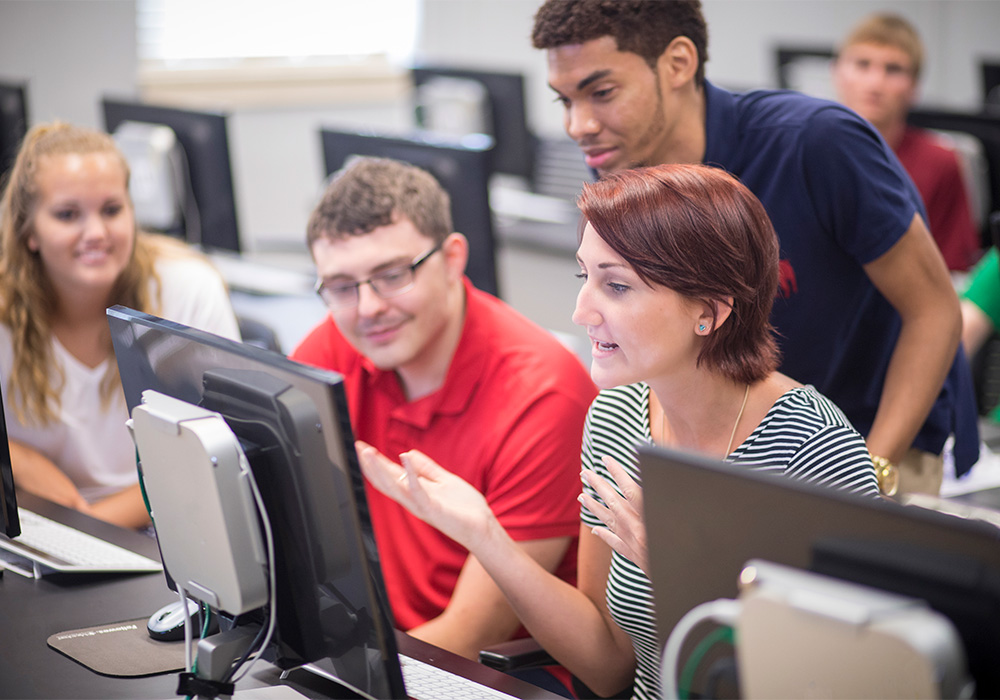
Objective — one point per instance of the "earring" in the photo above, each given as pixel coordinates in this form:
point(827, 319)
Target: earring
point(702, 327)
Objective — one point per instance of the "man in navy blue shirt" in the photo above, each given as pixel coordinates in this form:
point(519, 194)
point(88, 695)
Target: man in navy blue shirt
point(866, 311)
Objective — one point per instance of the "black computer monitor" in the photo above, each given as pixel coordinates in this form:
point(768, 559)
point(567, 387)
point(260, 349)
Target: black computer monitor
point(204, 139)
point(13, 123)
point(984, 126)
point(10, 524)
point(804, 68)
point(293, 425)
point(990, 71)
point(706, 519)
point(514, 144)
point(463, 171)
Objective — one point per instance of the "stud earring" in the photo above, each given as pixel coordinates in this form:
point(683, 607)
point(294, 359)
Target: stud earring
point(702, 327)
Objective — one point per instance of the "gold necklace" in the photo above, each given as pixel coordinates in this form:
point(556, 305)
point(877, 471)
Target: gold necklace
point(732, 435)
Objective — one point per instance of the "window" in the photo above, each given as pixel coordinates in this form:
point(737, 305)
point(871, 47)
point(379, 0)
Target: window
point(190, 32)
point(232, 53)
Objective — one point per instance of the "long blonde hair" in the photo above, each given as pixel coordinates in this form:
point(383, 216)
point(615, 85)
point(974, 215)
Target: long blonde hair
point(27, 297)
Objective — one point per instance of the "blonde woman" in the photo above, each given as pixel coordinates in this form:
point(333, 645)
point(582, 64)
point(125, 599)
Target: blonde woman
point(70, 249)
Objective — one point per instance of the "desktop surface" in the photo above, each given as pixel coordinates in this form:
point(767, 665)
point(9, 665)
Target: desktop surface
point(33, 610)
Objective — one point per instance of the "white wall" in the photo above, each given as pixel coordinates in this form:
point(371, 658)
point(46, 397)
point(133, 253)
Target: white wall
point(278, 169)
point(71, 52)
point(742, 36)
point(957, 34)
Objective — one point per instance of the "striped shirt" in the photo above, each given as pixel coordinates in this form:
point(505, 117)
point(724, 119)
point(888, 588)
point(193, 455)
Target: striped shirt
point(803, 436)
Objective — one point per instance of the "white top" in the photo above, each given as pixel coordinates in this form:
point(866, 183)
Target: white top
point(89, 442)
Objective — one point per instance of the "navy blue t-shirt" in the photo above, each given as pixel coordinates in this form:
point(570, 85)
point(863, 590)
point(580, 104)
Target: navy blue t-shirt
point(839, 199)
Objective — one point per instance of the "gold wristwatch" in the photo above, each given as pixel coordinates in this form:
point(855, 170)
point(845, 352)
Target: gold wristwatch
point(887, 474)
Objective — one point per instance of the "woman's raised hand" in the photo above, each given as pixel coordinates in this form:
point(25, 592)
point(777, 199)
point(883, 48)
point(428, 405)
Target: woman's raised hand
point(430, 492)
point(626, 527)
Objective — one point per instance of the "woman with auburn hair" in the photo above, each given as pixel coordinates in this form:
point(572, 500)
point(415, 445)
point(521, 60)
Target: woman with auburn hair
point(70, 249)
point(680, 267)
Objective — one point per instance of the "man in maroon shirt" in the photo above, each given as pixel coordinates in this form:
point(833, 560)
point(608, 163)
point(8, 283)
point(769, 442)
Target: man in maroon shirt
point(876, 74)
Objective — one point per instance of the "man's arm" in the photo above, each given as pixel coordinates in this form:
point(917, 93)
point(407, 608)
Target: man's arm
point(478, 614)
point(913, 278)
point(572, 623)
point(532, 491)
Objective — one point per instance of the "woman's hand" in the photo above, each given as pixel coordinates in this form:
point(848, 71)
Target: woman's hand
point(626, 528)
point(431, 493)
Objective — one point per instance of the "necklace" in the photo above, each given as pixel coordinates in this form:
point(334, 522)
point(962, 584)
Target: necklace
point(732, 435)
point(739, 415)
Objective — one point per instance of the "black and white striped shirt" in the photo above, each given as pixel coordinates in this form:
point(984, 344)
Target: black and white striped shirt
point(803, 436)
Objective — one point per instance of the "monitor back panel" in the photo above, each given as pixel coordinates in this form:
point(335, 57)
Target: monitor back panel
point(462, 172)
point(706, 519)
point(204, 137)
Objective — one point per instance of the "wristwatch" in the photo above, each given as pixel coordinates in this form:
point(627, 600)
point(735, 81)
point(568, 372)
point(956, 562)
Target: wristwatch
point(887, 474)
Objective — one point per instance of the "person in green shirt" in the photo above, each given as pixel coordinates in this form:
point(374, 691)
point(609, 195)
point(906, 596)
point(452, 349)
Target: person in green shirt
point(981, 308)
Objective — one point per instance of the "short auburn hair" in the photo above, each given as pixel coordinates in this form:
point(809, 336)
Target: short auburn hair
point(374, 192)
point(642, 27)
point(697, 230)
point(886, 29)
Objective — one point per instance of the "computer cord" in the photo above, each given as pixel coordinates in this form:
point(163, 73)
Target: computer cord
point(723, 611)
point(254, 656)
point(260, 643)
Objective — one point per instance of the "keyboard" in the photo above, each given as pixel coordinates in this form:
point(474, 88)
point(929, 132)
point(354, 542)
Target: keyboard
point(49, 546)
point(426, 682)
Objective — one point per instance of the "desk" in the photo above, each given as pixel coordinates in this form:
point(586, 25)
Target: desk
point(32, 610)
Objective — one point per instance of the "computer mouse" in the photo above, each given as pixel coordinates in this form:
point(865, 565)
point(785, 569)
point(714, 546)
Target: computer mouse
point(167, 623)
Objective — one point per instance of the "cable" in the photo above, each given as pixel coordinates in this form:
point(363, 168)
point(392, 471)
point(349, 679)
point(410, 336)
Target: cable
point(272, 593)
point(719, 634)
point(723, 611)
point(187, 627)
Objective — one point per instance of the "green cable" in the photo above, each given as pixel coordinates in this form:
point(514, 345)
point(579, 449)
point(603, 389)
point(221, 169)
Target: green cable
point(719, 634)
point(142, 485)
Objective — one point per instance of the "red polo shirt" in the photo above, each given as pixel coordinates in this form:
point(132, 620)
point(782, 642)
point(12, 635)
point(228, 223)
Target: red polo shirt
point(508, 419)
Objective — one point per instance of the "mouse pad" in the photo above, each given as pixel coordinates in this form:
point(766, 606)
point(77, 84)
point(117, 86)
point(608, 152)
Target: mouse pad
point(120, 649)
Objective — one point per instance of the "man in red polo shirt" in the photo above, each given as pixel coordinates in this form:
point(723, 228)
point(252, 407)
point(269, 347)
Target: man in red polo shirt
point(434, 364)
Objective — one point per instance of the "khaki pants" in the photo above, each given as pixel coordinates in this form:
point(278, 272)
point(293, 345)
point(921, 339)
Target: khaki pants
point(920, 472)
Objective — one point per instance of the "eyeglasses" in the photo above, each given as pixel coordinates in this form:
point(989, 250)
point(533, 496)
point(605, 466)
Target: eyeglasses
point(386, 284)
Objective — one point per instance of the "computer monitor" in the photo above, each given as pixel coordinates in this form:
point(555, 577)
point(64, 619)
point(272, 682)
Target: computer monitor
point(806, 69)
point(13, 123)
point(514, 144)
point(983, 126)
point(203, 136)
point(292, 423)
point(9, 522)
point(991, 83)
point(463, 171)
point(710, 518)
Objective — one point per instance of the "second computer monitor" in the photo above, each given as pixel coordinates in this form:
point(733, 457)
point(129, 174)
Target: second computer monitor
point(13, 122)
point(514, 144)
point(990, 71)
point(10, 524)
point(204, 139)
point(291, 421)
point(711, 518)
point(982, 126)
point(463, 172)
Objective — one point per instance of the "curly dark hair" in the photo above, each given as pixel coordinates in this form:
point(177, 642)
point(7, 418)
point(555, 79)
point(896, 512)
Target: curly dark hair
point(642, 27)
